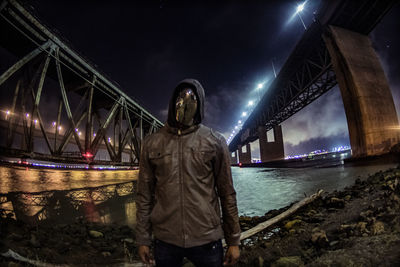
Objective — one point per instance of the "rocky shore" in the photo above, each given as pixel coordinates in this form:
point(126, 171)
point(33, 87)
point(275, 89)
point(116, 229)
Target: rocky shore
point(359, 226)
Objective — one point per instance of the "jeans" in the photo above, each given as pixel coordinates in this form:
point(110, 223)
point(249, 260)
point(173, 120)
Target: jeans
point(210, 255)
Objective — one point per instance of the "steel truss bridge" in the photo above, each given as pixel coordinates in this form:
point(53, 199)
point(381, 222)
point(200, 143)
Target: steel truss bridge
point(308, 73)
point(90, 111)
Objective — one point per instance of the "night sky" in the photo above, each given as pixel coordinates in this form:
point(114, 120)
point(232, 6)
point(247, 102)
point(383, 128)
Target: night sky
point(148, 47)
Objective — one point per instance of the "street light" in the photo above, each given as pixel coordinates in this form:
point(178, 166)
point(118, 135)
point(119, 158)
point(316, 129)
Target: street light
point(299, 9)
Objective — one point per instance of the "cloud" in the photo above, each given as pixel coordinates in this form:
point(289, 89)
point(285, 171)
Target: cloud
point(325, 117)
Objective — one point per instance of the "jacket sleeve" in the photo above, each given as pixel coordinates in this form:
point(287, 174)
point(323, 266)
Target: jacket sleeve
point(227, 195)
point(144, 199)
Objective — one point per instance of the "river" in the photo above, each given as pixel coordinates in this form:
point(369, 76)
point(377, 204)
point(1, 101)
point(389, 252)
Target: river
point(51, 195)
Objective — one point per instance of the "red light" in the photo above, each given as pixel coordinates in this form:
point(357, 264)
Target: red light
point(88, 155)
point(240, 164)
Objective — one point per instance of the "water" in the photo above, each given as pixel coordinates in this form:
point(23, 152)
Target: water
point(262, 189)
point(47, 195)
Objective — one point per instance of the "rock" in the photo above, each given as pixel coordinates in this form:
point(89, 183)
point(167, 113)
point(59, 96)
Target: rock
point(335, 202)
point(34, 242)
point(292, 261)
point(362, 227)
point(260, 261)
point(366, 214)
point(106, 254)
point(189, 264)
point(128, 240)
point(15, 237)
point(378, 228)
point(319, 238)
point(289, 225)
point(95, 234)
point(333, 243)
point(266, 244)
point(347, 198)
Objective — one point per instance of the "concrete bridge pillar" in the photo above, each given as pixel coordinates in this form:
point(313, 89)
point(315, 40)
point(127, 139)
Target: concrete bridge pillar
point(274, 150)
point(244, 154)
point(368, 102)
point(234, 155)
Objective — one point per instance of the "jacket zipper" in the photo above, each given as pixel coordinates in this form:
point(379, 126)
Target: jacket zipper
point(181, 186)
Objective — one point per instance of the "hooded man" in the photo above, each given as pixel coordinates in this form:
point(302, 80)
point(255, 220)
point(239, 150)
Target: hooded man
point(184, 179)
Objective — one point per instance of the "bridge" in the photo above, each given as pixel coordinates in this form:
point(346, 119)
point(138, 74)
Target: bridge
point(57, 103)
point(335, 49)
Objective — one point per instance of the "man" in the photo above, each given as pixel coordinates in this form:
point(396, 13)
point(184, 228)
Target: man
point(184, 176)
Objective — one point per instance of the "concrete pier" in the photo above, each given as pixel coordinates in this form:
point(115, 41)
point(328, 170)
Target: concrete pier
point(244, 156)
point(368, 102)
point(270, 151)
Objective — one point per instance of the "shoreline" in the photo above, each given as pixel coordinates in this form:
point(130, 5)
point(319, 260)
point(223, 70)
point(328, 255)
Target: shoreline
point(359, 225)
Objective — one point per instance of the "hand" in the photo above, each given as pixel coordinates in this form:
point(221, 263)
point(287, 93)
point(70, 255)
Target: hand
point(145, 256)
point(232, 255)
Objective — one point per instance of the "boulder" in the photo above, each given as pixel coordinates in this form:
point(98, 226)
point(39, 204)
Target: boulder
point(95, 234)
point(289, 225)
point(292, 261)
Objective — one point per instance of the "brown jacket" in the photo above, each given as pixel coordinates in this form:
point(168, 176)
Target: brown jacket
point(184, 176)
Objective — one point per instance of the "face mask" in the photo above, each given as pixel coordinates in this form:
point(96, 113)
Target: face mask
point(186, 107)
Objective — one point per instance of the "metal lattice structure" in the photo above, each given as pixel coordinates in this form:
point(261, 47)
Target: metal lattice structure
point(308, 73)
point(94, 112)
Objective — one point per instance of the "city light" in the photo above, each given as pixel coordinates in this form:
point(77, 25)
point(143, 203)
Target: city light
point(27, 115)
point(94, 134)
point(239, 121)
point(59, 128)
point(54, 123)
point(251, 102)
point(244, 114)
point(260, 85)
point(76, 129)
point(109, 139)
point(236, 127)
point(35, 121)
point(8, 112)
point(79, 133)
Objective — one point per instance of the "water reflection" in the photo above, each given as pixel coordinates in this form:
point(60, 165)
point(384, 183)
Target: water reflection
point(36, 180)
point(113, 203)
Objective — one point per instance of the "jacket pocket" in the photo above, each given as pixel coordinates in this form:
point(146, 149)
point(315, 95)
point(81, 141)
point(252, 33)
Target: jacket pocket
point(215, 220)
point(162, 165)
point(203, 162)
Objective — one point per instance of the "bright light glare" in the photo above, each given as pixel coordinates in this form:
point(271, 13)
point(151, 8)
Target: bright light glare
point(8, 112)
point(260, 85)
point(54, 123)
point(240, 122)
point(300, 7)
point(79, 133)
point(27, 115)
point(35, 121)
point(251, 102)
point(236, 127)
point(59, 128)
point(244, 114)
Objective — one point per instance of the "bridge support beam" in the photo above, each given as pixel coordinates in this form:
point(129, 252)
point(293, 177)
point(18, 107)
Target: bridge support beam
point(370, 111)
point(270, 151)
point(234, 156)
point(244, 157)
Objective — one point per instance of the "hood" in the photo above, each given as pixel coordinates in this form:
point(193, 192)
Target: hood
point(199, 91)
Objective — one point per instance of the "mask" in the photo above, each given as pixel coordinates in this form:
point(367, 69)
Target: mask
point(186, 107)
